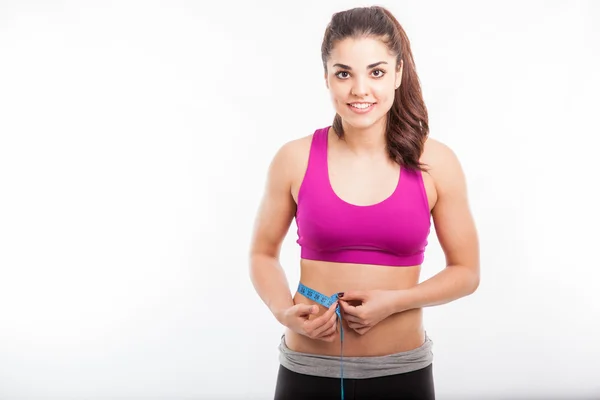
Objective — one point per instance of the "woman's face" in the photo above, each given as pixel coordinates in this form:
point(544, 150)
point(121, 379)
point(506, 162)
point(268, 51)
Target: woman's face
point(362, 78)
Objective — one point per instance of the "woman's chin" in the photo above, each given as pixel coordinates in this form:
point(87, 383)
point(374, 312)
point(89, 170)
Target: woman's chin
point(360, 122)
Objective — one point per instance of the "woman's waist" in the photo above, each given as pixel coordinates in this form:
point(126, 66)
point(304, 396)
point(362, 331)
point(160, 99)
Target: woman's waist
point(330, 278)
point(321, 281)
point(397, 333)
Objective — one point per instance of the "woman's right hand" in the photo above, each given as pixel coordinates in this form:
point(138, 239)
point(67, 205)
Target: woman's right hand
point(324, 327)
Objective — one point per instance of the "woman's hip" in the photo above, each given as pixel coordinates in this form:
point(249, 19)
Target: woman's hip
point(356, 367)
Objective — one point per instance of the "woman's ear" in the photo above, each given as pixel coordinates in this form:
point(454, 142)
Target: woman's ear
point(399, 74)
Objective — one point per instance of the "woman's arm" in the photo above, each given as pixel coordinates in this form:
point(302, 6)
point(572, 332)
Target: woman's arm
point(456, 233)
point(272, 222)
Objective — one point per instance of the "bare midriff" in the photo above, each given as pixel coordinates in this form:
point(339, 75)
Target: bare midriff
point(399, 332)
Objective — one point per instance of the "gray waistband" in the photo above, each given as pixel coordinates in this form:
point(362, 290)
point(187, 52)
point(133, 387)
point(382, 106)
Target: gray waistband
point(356, 367)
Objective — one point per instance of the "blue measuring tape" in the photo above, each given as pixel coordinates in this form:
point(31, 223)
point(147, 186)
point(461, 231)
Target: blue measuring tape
point(327, 301)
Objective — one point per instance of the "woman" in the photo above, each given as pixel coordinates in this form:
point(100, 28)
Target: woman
point(363, 192)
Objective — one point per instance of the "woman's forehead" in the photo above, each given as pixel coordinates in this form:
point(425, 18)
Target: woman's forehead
point(360, 52)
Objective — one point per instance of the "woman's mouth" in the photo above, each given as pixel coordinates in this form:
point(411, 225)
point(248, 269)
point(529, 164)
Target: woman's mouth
point(361, 107)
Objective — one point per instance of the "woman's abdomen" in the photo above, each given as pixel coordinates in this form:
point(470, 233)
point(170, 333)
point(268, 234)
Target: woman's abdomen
point(399, 332)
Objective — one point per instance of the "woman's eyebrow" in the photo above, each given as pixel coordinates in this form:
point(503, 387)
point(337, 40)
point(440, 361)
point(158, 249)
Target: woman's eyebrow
point(368, 66)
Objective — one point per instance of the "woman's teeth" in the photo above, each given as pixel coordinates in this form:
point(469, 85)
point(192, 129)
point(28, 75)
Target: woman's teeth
point(361, 105)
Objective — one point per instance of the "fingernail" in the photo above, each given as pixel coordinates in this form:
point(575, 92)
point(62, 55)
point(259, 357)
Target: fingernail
point(341, 294)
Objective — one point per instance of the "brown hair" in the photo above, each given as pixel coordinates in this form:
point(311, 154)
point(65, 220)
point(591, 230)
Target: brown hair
point(407, 124)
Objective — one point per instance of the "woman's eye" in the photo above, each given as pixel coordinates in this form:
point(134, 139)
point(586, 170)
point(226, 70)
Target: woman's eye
point(378, 73)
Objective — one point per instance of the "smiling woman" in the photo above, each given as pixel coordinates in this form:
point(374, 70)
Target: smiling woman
point(362, 192)
point(361, 90)
point(360, 106)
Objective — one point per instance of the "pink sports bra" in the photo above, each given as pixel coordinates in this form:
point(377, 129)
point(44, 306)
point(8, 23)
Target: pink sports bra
point(392, 232)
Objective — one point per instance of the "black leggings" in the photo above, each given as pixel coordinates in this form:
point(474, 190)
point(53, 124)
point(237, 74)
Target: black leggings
point(415, 385)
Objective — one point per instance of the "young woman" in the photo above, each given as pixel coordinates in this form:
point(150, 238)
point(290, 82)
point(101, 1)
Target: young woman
point(363, 192)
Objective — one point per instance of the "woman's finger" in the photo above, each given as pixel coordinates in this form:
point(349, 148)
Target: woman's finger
point(352, 318)
point(311, 327)
point(348, 309)
point(322, 329)
point(326, 326)
point(355, 325)
point(329, 332)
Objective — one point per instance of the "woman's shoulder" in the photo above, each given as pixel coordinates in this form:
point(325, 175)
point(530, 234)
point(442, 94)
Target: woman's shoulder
point(442, 162)
point(294, 151)
point(296, 148)
point(436, 152)
point(291, 158)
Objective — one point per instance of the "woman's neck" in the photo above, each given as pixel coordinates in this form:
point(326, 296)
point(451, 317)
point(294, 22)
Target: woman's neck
point(369, 141)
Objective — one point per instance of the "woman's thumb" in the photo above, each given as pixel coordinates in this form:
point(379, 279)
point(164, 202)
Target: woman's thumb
point(308, 309)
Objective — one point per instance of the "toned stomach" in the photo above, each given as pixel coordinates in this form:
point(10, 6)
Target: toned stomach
point(399, 332)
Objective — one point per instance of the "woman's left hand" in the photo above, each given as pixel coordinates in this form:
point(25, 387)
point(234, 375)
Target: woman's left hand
point(363, 309)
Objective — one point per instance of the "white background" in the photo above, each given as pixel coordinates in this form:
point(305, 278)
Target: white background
point(134, 143)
